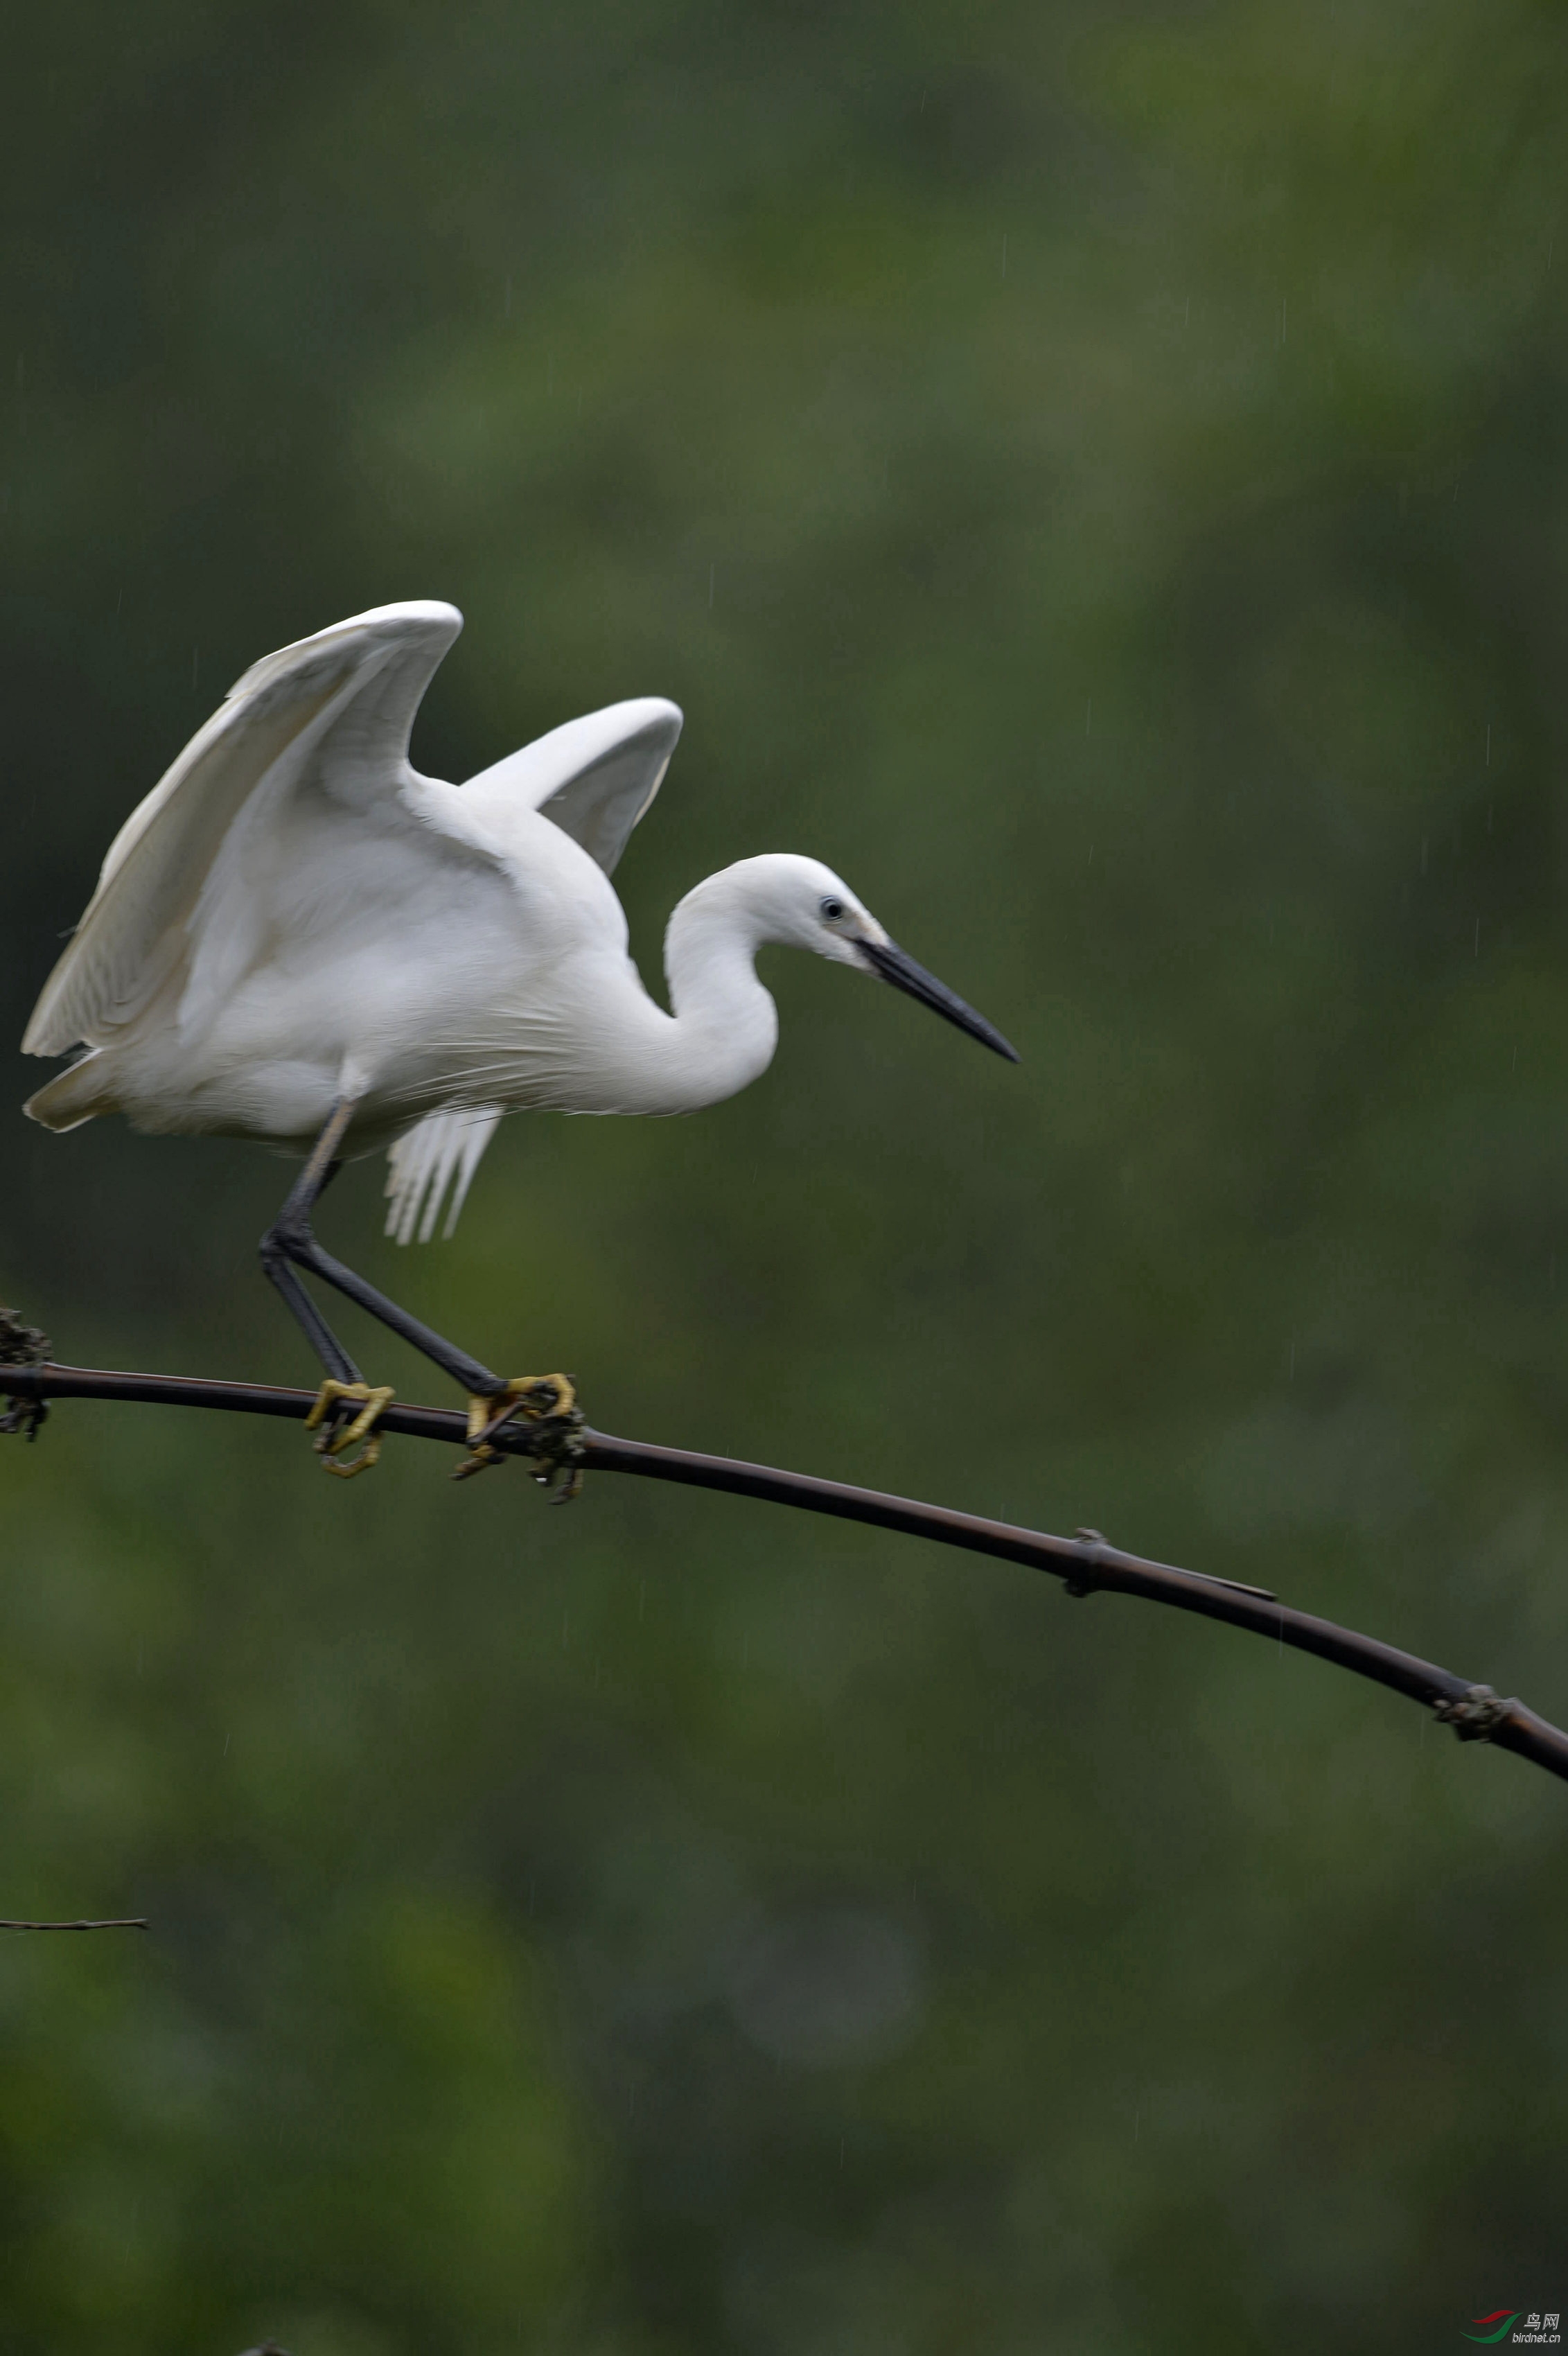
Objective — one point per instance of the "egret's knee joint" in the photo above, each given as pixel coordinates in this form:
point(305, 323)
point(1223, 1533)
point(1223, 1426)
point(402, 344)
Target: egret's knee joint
point(285, 1240)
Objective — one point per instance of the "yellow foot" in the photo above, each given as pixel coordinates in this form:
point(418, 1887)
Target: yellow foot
point(334, 1437)
point(545, 1400)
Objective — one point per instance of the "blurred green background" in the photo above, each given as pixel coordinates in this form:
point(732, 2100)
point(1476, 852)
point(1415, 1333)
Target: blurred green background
point(1094, 475)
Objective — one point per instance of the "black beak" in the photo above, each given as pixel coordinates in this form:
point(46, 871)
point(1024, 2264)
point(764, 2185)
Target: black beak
point(885, 958)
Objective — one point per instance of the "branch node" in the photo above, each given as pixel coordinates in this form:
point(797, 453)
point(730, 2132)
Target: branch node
point(1092, 1548)
point(21, 1345)
point(1474, 1715)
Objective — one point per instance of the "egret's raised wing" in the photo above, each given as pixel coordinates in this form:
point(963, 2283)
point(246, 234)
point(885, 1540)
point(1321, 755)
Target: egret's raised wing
point(330, 714)
point(594, 778)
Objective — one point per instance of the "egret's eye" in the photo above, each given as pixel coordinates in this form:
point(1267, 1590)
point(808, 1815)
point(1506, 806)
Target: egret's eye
point(833, 909)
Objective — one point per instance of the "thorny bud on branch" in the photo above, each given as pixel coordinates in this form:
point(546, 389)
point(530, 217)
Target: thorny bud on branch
point(1475, 1715)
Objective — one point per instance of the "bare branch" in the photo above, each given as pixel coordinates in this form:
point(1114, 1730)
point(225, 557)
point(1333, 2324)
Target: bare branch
point(1086, 1563)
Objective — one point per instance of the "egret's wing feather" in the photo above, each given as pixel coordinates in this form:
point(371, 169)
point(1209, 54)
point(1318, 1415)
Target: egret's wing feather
point(594, 778)
point(329, 714)
point(442, 1152)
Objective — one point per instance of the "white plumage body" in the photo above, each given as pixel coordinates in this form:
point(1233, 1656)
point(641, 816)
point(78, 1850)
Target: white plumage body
point(411, 977)
point(294, 919)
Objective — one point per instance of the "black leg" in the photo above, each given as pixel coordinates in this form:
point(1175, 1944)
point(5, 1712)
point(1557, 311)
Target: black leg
point(319, 1171)
point(290, 1244)
point(317, 1332)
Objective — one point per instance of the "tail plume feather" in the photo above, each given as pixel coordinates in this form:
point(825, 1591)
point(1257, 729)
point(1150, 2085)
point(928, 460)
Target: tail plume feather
point(73, 1096)
point(442, 1154)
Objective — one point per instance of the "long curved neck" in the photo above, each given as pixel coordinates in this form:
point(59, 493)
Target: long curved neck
point(726, 1024)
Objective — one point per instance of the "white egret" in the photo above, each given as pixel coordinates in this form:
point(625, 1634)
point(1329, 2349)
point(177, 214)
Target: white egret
point(296, 937)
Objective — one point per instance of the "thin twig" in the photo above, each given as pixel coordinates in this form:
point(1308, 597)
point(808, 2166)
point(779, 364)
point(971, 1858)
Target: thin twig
point(1087, 1563)
point(118, 1922)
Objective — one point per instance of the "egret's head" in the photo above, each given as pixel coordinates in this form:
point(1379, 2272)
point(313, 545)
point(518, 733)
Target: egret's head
point(803, 904)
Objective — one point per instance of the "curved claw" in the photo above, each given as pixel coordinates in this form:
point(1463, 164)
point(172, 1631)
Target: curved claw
point(374, 1398)
point(543, 1399)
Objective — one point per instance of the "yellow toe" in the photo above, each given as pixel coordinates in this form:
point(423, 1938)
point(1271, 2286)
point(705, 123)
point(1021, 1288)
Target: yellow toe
point(537, 1397)
point(373, 1399)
